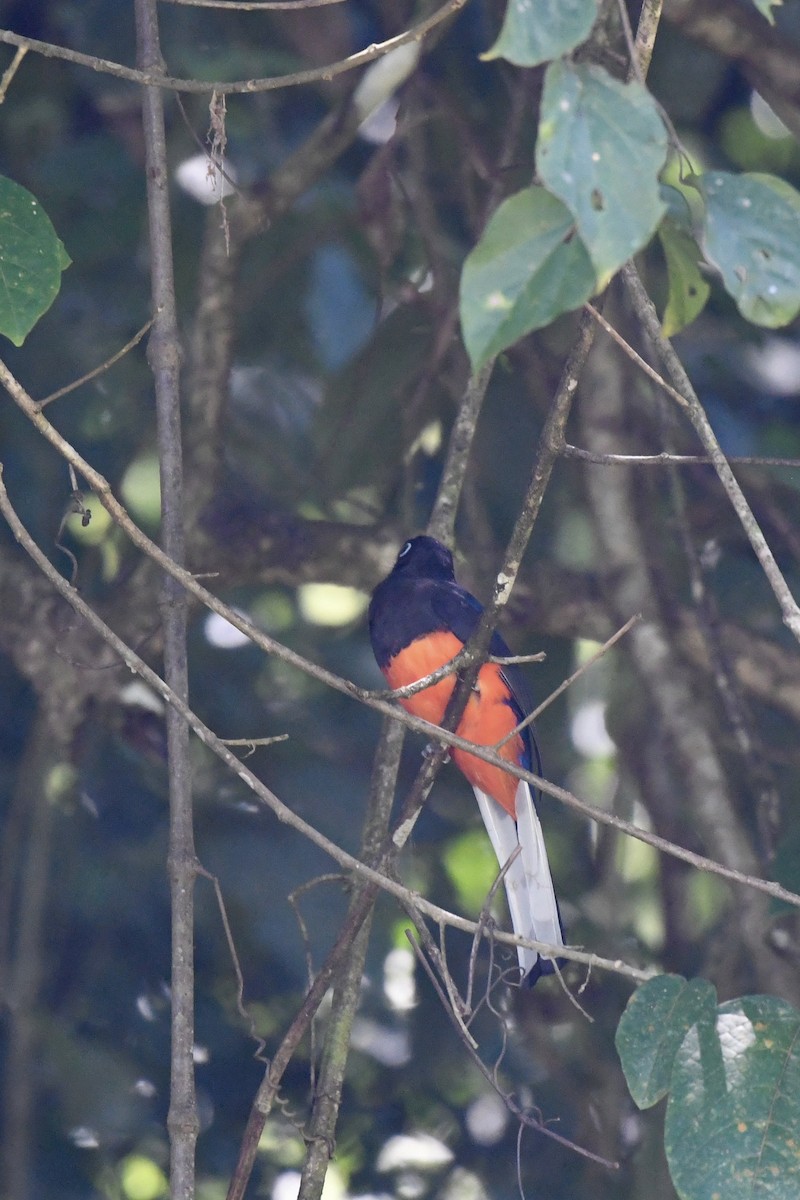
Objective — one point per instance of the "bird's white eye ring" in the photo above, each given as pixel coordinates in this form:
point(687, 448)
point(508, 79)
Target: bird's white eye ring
point(405, 550)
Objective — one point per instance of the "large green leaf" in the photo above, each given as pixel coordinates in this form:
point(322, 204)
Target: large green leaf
point(688, 290)
point(535, 31)
point(752, 235)
point(652, 1028)
point(733, 1116)
point(31, 261)
point(527, 269)
point(601, 146)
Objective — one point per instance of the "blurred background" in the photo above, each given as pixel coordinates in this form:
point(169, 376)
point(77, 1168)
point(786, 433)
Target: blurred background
point(336, 341)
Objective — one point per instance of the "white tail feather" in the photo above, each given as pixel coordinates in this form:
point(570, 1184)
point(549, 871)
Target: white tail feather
point(529, 886)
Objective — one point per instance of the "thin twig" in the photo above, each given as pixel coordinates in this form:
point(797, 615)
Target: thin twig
point(443, 985)
point(290, 818)
point(510, 660)
point(183, 1120)
point(270, 646)
point(11, 71)
point(253, 743)
point(666, 458)
point(624, 533)
point(641, 363)
point(485, 920)
point(524, 1117)
point(320, 1136)
point(234, 957)
point(562, 687)
point(728, 688)
point(70, 387)
point(443, 517)
point(645, 311)
point(240, 86)
point(255, 5)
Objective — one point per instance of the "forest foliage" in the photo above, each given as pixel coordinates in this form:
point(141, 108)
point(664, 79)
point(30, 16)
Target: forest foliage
point(382, 321)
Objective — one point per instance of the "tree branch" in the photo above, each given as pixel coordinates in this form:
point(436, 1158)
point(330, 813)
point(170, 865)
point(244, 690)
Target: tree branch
point(646, 312)
point(669, 689)
point(183, 1119)
point(290, 818)
point(329, 678)
point(150, 77)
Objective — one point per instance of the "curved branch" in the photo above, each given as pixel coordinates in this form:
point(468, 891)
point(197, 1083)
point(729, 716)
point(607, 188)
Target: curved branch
point(241, 86)
point(361, 870)
point(255, 5)
point(646, 313)
point(664, 677)
point(433, 732)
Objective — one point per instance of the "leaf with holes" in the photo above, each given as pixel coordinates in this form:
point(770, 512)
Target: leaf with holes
point(32, 258)
point(536, 31)
point(688, 290)
point(527, 269)
point(751, 234)
point(733, 1115)
point(659, 1015)
point(600, 148)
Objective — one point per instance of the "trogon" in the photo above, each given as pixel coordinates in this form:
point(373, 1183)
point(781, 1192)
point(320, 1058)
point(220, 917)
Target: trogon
point(419, 619)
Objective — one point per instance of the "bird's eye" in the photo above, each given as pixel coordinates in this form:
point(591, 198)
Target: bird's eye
point(405, 550)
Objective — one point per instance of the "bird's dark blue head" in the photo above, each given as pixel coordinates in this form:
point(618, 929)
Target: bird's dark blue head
point(424, 558)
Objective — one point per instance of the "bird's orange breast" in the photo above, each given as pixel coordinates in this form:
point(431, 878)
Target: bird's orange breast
point(487, 719)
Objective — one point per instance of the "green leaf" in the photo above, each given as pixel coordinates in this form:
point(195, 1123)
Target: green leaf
point(601, 146)
point(527, 269)
point(688, 290)
point(31, 261)
point(751, 235)
point(733, 1116)
point(652, 1028)
point(677, 206)
point(535, 31)
point(765, 7)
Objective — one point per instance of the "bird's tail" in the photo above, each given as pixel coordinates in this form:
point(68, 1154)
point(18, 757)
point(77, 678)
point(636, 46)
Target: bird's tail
point(529, 886)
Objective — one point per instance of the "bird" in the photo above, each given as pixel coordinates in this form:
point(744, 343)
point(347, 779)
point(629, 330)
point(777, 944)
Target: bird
point(419, 619)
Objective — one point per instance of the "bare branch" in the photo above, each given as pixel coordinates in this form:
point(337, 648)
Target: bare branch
point(242, 86)
point(183, 1119)
point(562, 687)
point(443, 517)
point(271, 646)
point(10, 72)
point(641, 363)
point(253, 743)
point(361, 870)
point(321, 1134)
point(76, 383)
point(346, 860)
point(632, 584)
point(255, 5)
point(645, 311)
point(667, 458)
